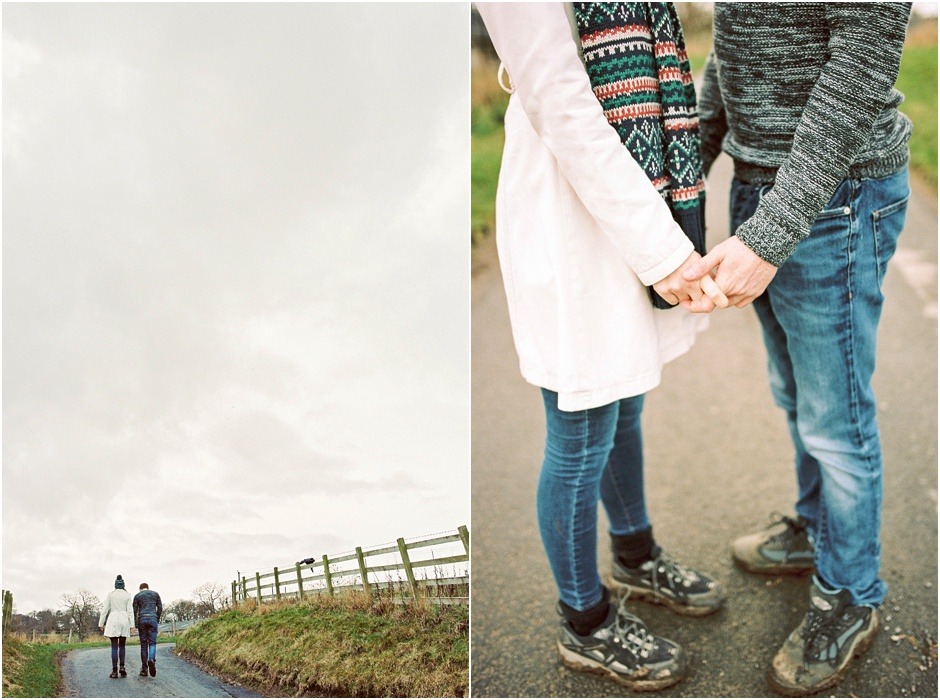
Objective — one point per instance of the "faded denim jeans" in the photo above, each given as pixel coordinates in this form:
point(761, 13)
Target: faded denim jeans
point(820, 320)
point(590, 455)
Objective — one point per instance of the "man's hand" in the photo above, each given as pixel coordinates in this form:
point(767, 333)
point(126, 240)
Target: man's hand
point(101, 628)
point(698, 294)
point(742, 275)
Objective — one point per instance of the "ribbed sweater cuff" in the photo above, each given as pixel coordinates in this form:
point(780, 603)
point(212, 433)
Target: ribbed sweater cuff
point(769, 238)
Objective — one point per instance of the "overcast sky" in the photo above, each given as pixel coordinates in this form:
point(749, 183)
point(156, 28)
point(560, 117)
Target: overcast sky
point(235, 288)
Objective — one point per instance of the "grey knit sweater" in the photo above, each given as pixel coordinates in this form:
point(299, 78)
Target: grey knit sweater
point(802, 95)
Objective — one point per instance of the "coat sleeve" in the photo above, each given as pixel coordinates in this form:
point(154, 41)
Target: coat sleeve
point(159, 608)
point(105, 609)
point(534, 42)
point(136, 607)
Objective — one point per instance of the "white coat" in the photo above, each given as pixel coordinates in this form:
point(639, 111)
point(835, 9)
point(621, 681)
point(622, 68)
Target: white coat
point(118, 610)
point(580, 229)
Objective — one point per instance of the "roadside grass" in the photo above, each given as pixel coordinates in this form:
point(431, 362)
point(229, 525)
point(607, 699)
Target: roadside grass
point(343, 647)
point(918, 81)
point(488, 105)
point(31, 670)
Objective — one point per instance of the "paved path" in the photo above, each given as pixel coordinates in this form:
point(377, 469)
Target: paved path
point(85, 674)
point(715, 469)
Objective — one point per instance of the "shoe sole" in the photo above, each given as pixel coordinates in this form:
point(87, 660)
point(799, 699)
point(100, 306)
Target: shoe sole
point(576, 662)
point(793, 692)
point(773, 569)
point(152, 668)
point(655, 598)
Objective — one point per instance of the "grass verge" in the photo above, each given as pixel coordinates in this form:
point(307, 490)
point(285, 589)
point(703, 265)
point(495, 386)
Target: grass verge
point(30, 670)
point(341, 647)
point(486, 129)
point(918, 81)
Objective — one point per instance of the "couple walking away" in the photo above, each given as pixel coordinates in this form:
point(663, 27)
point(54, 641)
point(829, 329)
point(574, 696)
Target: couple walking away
point(120, 616)
point(600, 229)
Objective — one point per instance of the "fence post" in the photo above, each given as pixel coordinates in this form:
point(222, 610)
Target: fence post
point(7, 611)
point(300, 582)
point(327, 575)
point(465, 537)
point(258, 584)
point(362, 570)
point(277, 584)
point(244, 588)
point(234, 594)
point(406, 560)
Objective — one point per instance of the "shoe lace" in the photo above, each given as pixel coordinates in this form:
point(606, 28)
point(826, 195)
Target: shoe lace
point(822, 633)
point(665, 567)
point(793, 528)
point(631, 632)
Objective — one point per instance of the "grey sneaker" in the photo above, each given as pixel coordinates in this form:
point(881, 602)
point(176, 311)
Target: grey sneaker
point(623, 650)
point(782, 548)
point(818, 653)
point(664, 581)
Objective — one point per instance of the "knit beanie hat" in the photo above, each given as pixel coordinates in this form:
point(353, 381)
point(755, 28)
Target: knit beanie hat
point(119, 582)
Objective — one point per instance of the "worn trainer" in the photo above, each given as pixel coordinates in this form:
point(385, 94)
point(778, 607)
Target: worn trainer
point(783, 547)
point(664, 581)
point(152, 667)
point(625, 651)
point(818, 653)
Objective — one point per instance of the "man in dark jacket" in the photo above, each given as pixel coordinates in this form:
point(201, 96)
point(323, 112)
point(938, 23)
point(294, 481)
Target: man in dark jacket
point(148, 609)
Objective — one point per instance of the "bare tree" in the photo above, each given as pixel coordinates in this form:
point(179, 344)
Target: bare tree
point(183, 609)
point(210, 597)
point(82, 609)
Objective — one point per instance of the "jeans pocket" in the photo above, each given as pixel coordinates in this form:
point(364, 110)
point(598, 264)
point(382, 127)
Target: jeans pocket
point(840, 202)
point(887, 224)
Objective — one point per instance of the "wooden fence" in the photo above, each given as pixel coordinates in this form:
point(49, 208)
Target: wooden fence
point(403, 571)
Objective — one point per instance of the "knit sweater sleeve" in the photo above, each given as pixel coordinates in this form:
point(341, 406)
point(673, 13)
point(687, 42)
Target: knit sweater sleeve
point(866, 40)
point(535, 43)
point(711, 113)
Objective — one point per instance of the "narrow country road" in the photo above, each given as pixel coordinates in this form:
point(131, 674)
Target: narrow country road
point(85, 675)
point(718, 462)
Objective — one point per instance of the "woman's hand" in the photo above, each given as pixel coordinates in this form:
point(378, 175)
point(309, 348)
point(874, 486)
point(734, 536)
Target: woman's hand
point(698, 295)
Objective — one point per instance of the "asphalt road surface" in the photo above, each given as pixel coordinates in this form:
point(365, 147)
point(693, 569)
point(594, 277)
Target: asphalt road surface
point(85, 675)
point(719, 461)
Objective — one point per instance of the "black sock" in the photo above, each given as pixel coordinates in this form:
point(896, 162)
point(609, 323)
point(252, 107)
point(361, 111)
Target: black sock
point(634, 550)
point(584, 622)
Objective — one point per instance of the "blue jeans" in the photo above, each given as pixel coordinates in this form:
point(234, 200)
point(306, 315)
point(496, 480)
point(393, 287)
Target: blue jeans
point(589, 455)
point(820, 320)
point(148, 639)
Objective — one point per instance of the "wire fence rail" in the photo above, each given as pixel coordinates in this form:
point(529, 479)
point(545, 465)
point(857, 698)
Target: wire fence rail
point(404, 571)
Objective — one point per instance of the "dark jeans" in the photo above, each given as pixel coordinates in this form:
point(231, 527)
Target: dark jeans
point(820, 320)
point(147, 627)
point(117, 650)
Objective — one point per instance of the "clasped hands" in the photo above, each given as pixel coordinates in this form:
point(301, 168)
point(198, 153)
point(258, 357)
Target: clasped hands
point(741, 277)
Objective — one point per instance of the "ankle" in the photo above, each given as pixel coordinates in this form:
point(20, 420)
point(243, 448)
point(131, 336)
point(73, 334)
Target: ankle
point(634, 550)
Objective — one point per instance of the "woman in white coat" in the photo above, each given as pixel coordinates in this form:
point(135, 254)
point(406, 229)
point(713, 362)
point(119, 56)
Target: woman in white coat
point(117, 622)
point(584, 228)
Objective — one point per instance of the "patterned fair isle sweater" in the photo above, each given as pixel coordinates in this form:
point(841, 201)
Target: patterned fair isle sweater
point(802, 95)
